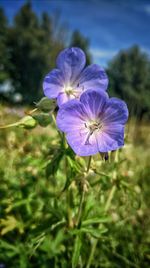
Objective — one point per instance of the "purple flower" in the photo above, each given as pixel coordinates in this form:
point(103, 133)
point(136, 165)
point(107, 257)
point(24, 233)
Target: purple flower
point(70, 78)
point(93, 124)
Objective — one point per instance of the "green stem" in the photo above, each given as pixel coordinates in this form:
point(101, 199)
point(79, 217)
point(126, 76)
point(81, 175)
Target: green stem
point(80, 206)
point(59, 133)
point(89, 163)
point(10, 125)
point(110, 197)
point(31, 112)
point(69, 212)
point(107, 206)
point(83, 191)
point(92, 253)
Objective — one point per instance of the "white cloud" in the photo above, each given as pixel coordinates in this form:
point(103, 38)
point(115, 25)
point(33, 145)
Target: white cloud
point(147, 9)
point(103, 53)
point(102, 56)
point(146, 50)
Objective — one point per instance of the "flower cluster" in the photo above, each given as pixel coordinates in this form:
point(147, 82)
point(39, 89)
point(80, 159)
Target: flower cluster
point(92, 121)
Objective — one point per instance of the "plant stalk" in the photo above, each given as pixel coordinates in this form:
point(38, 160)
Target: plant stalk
point(61, 135)
point(83, 191)
point(107, 206)
point(89, 163)
point(80, 206)
point(10, 125)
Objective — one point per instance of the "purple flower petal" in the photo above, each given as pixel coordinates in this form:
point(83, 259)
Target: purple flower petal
point(71, 61)
point(93, 76)
point(110, 138)
point(71, 119)
point(53, 83)
point(116, 111)
point(63, 98)
point(71, 116)
point(94, 102)
point(77, 141)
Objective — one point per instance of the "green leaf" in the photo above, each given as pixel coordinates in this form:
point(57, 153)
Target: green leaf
point(53, 165)
point(8, 246)
point(53, 246)
point(97, 233)
point(95, 220)
point(73, 164)
point(9, 224)
point(36, 242)
point(76, 251)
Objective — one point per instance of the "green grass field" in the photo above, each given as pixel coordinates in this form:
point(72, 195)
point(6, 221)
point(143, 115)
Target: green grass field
point(35, 230)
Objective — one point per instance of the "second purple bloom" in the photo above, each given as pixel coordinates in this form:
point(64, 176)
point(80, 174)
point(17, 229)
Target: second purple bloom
point(70, 79)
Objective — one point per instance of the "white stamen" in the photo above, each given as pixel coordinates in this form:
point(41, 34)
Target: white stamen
point(92, 127)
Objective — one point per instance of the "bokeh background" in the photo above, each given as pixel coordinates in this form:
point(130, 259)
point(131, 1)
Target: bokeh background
point(115, 35)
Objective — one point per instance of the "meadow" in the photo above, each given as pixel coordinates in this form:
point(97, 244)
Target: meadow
point(39, 202)
point(59, 210)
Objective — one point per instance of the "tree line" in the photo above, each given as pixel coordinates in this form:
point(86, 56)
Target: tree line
point(28, 49)
point(129, 75)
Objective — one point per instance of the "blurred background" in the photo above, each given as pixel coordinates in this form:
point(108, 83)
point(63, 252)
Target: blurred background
point(115, 35)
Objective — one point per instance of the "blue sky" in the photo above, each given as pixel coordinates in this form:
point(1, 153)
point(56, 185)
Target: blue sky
point(110, 25)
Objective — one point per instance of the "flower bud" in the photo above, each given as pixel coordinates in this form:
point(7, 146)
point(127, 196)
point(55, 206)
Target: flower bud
point(104, 156)
point(28, 122)
point(46, 105)
point(43, 119)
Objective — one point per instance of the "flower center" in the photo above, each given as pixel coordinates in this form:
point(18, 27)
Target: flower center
point(73, 90)
point(92, 126)
point(68, 90)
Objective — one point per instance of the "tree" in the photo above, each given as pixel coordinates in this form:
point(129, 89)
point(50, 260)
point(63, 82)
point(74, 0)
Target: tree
point(26, 55)
point(129, 79)
point(3, 47)
point(54, 36)
point(31, 46)
point(78, 40)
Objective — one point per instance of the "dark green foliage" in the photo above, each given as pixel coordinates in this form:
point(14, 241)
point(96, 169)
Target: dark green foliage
point(30, 47)
point(78, 40)
point(28, 51)
point(129, 79)
point(3, 47)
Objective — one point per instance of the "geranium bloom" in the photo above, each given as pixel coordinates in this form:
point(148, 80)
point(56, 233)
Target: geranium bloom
point(70, 78)
point(93, 124)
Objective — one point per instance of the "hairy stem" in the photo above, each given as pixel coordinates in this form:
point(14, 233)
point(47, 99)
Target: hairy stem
point(68, 191)
point(110, 197)
point(83, 191)
point(31, 112)
point(10, 125)
point(89, 163)
point(107, 206)
point(54, 122)
point(80, 206)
